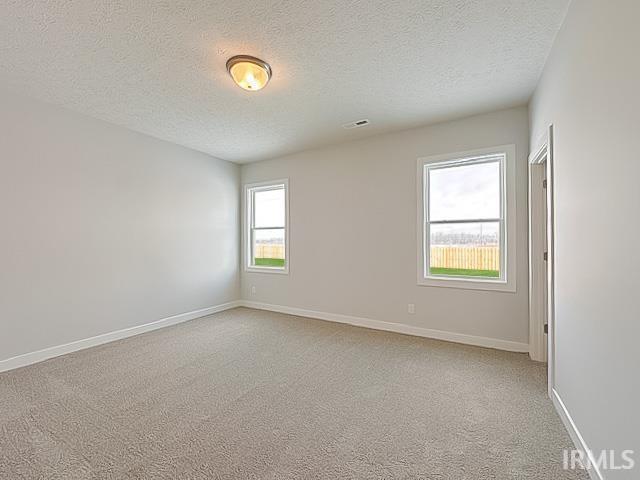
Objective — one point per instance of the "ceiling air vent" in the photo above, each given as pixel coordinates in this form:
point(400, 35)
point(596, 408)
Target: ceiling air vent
point(356, 124)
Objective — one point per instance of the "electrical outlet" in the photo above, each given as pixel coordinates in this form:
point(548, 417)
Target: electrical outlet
point(411, 308)
point(253, 289)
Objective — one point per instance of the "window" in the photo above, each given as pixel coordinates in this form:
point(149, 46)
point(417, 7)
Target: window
point(266, 233)
point(466, 230)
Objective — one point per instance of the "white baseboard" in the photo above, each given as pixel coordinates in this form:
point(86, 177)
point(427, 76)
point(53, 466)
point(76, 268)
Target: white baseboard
point(40, 355)
point(574, 433)
point(394, 327)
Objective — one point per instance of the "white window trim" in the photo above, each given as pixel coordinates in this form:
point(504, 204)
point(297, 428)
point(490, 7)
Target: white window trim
point(246, 242)
point(508, 255)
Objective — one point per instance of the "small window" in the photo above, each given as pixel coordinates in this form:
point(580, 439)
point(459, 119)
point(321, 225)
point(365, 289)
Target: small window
point(464, 221)
point(266, 237)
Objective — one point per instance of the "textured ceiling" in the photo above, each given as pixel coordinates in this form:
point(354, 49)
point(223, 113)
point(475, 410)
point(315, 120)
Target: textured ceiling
point(159, 66)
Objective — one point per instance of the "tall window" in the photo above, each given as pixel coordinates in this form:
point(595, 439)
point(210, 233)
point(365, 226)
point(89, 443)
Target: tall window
point(464, 220)
point(266, 238)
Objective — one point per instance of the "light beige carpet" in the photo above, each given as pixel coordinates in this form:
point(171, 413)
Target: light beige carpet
point(247, 394)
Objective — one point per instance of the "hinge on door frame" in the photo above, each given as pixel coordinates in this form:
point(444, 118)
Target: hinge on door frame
point(546, 328)
point(545, 256)
point(544, 183)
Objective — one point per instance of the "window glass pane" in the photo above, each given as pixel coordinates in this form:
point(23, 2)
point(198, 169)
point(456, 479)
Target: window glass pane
point(269, 208)
point(465, 192)
point(465, 249)
point(268, 247)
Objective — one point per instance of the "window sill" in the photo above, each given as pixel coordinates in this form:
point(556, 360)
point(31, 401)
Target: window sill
point(277, 270)
point(468, 284)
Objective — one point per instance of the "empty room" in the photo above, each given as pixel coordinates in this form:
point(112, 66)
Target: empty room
point(320, 239)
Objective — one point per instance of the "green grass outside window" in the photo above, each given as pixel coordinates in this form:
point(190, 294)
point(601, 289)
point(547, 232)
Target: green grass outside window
point(269, 262)
point(464, 272)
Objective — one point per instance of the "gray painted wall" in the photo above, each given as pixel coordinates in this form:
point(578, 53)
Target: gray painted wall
point(350, 201)
point(104, 228)
point(589, 91)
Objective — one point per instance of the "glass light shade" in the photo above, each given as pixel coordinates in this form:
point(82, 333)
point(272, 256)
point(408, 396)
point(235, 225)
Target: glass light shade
point(249, 73)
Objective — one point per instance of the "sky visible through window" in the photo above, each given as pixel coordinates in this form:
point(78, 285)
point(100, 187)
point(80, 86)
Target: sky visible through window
point(269, 208)
point(465, 192)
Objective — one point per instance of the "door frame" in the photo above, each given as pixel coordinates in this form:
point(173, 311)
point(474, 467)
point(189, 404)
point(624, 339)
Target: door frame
point(542, 156)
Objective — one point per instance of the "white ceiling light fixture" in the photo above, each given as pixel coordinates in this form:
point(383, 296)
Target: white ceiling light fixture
point(249, 73)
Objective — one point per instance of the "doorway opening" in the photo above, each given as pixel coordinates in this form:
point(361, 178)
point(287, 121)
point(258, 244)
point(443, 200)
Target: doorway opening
point(541, 254)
